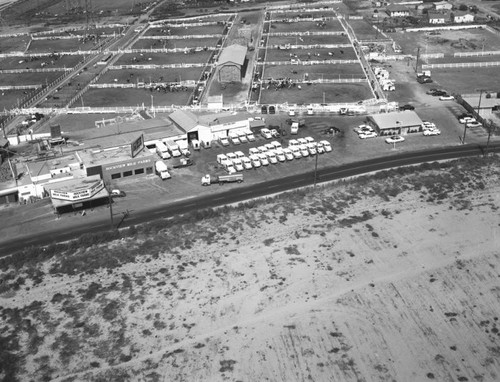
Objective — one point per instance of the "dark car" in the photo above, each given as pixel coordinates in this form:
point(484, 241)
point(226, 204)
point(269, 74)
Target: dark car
point(439, 93)
point(407, 107)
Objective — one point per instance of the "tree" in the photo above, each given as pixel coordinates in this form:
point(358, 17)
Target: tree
point(463, 7)
point(491, 128)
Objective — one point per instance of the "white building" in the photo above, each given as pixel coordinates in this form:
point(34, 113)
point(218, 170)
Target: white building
point(462, 17)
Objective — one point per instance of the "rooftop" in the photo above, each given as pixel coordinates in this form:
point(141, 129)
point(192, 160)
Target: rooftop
point(396, 119)
point(184, 119)
point(114, 155)
point(233, 54)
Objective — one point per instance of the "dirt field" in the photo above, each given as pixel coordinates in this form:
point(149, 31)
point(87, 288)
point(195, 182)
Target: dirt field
point(471, 79)
point(363, 281)
point(11, 79)
point(363, 30)
point(160, 75)
point(307, 26)
point(178, 43)
point(36, 63)
point(8, 98)
point(163, 58)
point(60, 45)
point(330, 71)
point(302, 54)
point(185, 31)
point(133, 97)
point(334, 93)
point(308, 40)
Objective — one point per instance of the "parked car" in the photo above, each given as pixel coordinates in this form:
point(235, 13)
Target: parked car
point(293, 142)
point(263, 159)
point(247, 163)
point(275, 133)
point(473, 124)
point(368, 134)
point(296, 152)
point(253, 151)
point(280, 155)
point(262, 149)
point(234, 139)
point(266, 133)
point(250, 137)
point(309, 139)
point(304, 151)
point(255, 161)
point(463, 115)
point(363, 129)
point(446, 97)
point(231, 156)
point(269, 146)
point(428, 125)
point(311, 147)
point(319, 147)
point(327, 146)
point(467, 120)
point(118, 193)
point(407, 107)
point(395, 139)
point(271, 157)
point(224, 141)
point(288, 154)
point(276, 144)
point(243, 138)
point(302, 141)
point(439, 93)
point(430, 132)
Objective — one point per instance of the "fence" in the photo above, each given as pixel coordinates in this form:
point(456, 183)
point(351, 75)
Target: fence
point(180, 37)
point(432, 55)
point(285, 34)
point(314, 62)
point(40, 70)
point(300, 7)
point(195, 18)
point(164, 66)
point(477, 54)
point(315, 46)
point(445, 27)
point(462, 65)
point(20, 87)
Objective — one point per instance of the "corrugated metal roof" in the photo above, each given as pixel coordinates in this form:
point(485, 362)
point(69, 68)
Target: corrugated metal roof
point(233, 54)
point(184, 119)
point(396, 119)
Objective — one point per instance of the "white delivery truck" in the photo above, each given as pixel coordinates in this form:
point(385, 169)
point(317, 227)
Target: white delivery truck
point(174, 149)
point(207, 180)
point(162, 170)
point(162, 150)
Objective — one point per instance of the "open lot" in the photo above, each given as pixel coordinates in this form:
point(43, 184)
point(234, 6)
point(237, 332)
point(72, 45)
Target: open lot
point(133, 97)
point(308, 40)
point(13, 44)
point(471, 79)
point(306, 26)
point(164, 58)
point(156, 75)
point(312, 12)
point(176, 44)
point(11, 79)
point(9, 98)
point(64, 61)
point(334, 93)
point(60, 45)
point(185, 31)
point(330, 71)
point(447, 42)
point(364, 30)
point(311, 54)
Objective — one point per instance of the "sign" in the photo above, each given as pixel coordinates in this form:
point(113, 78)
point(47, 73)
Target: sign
point(82, 193)
point(136, 146)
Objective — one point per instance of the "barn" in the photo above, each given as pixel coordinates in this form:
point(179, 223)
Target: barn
point(231, 64)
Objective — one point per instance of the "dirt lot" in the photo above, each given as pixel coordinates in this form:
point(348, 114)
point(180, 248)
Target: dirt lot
point(307, 26)
point(177, 43)
point(185, 31)
point(363, 30)
point(167, 75)
point(362, 281)
point(13, 44)
point(61, 45)
point(8, 98)
point(133, 97)
point(329, 71)
point(11, 79)
point(308, 40)
point(67, 61)
point(163, 58)
point(302, 54)
point(471, 79)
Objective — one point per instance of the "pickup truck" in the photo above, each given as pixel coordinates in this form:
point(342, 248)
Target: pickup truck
point(207, 180)
point(183, 162)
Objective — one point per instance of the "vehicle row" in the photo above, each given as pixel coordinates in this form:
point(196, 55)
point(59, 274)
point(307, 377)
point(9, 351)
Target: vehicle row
point(237, 138)
point(272, 153)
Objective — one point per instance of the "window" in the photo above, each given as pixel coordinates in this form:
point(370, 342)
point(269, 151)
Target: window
point(139, 171)
point(149, 170)
point(116, 176)
point(127, 173)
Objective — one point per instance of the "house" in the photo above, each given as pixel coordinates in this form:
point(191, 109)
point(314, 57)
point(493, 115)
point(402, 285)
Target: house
point(396, 10)
point(462, 17)
point(443, 6)
point(438, 17)
point(231, 63)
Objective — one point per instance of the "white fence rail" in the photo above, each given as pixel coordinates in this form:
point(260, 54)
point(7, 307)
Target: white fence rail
point(477, 54)
point(40, 70)
point(285, 34)
point(315, 46)
point(170, 37)
point(315, 62)
point(20, 87)
point(461, 65)
point(164, 66)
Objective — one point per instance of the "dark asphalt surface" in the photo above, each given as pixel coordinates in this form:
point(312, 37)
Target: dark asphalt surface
point(258, 190)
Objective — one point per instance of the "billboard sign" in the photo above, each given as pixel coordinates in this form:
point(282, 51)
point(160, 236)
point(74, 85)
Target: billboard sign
point(137, 145)
point(78, 194)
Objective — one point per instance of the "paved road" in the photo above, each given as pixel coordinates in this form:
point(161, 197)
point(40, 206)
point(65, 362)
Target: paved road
point(262, 189)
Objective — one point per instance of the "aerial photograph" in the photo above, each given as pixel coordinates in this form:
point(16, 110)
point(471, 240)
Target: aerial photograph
point(249, 190)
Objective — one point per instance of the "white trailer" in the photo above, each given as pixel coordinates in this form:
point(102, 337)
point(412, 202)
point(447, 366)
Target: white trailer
point(162, 170)
point(207, 180)
point(162, 150)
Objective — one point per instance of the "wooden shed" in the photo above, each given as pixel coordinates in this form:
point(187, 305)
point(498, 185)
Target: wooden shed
point(231, 63)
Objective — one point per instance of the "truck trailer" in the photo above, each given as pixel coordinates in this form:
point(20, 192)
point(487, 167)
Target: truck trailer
point(183, 162)
point(207, 180)
point(162, 170)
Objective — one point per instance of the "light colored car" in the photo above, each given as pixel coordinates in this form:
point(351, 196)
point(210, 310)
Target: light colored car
point(234, 139)
point(363, 129)
point(276, 144)
point(309, 139)
point(288, 154)
point(293, 142)
point(243, 138)
point(271, 157)
point(302, 141)
point(327, 146)
point(428, 125)
point(231, 156)
point(275, 133)
point(253, 151)
point(238, 164)
point(280, 155)
point(296, 152)
point(239, 154)
point(263, 159)
point(429, 132)
point(310, 111)
point(368, 134)
point(304, 150)
point(262, 149)
point(269, 146)
point(446, 97)
point(250, 137)
point(395, 139)
point(311, 147)
point(291, 112)
point(224, 141)
point(247, 163)
point(467, 120)
point(319, 147)
point(473, 124)
point(255, 161)
point(266, 133)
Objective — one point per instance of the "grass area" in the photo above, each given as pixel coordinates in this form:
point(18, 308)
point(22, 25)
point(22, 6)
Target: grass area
point(13, 44)
point(66, 45)
point(133, 97)
point(306, 26)
point(11, 79)
point(177, 43)
point(164, 58)
point(160, 75)
point(302, 54)
point(308, 40)
point(329, 71)
point(185, 31)
point(466, 80)
point(67, 61)
point(8, 98)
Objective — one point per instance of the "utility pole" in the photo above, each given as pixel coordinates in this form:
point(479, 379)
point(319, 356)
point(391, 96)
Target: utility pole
point(418, 60)
point(316, 168)
point(110, 204)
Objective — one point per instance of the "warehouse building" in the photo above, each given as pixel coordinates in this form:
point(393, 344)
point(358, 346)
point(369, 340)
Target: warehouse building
point(232, 63)
point(399, 122)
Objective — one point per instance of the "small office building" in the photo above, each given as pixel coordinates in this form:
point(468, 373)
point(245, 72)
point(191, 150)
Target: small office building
point(395, 123)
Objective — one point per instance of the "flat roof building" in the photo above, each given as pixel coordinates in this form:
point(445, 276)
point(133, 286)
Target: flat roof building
point(399, 122)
